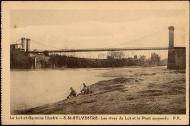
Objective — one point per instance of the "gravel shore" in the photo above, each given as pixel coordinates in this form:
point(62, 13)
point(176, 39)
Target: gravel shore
point(131, 91)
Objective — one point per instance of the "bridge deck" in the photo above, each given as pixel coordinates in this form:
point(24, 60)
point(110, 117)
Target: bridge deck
point(100, 49)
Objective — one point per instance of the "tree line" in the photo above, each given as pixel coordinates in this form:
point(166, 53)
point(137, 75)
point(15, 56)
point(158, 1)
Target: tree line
point(114, 59)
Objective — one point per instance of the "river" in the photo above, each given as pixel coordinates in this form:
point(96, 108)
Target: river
point(31, 88)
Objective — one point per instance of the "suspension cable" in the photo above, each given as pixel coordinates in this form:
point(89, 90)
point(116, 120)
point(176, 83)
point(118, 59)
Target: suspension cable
point(135, 40)
point(37, 42)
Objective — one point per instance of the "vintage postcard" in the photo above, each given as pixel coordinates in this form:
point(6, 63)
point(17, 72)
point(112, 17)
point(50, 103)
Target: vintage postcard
point(95, 62)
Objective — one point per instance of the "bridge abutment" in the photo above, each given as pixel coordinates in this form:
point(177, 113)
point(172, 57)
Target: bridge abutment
point(176, 58)
point(176, 55)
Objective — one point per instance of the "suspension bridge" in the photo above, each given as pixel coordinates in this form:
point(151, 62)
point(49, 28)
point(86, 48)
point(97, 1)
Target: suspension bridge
point(58, 50)
point(176, 55)
point(99, 49)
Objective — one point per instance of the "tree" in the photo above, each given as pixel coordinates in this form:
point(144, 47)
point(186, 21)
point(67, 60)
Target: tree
point(115, 55)
point(155, 59)
point(142, 60)
point(46, 53)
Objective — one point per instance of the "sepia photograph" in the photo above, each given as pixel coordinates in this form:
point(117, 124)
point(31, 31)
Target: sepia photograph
point(98, 58)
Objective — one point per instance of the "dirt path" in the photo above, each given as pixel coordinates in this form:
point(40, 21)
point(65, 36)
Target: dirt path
point(132, 91)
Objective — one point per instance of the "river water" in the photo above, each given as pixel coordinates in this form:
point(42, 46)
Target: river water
point(31, 88)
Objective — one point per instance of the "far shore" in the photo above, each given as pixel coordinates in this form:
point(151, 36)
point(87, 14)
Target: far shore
point(65, 68)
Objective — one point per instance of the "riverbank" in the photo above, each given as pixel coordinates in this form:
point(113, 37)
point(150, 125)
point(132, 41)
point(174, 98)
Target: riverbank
point(131, 91)
point(21, 60)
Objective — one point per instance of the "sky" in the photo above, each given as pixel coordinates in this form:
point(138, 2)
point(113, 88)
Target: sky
point(101, 24)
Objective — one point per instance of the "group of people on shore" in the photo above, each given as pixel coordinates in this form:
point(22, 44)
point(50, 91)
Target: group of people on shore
point(84, 90)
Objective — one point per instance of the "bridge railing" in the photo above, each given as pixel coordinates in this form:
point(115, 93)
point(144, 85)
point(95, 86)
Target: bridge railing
point(101, 49)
